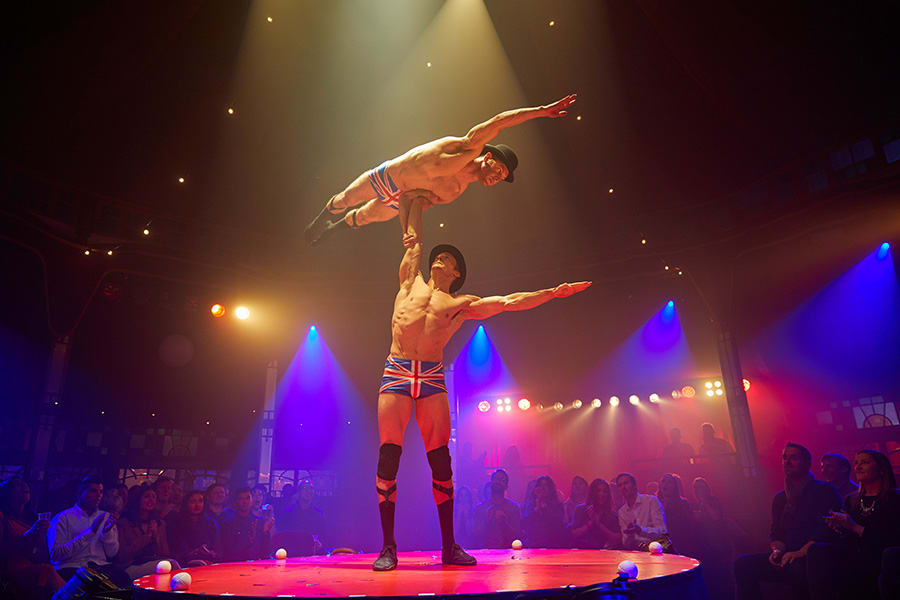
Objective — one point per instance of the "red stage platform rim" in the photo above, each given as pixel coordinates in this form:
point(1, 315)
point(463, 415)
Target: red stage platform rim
point(499, 573)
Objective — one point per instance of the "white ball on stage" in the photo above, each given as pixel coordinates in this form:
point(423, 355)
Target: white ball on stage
point(655, 548)
point(181, 581)
point(281, 554)
point(163, 567)
point(517, 545)
point(628, 568)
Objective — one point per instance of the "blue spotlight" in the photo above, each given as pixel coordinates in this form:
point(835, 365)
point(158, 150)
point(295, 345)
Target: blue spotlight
point(670, 304)
point(883, 250)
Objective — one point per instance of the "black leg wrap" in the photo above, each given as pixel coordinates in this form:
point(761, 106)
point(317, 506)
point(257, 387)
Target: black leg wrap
point(439, 459)
point(444, 490)
point(389, 461)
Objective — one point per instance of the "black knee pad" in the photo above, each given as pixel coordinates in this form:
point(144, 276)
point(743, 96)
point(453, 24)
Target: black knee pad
point(439, 459)
point(389, 461)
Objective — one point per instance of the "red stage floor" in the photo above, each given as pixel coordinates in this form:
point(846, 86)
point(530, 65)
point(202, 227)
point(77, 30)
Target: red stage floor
point(419, 573)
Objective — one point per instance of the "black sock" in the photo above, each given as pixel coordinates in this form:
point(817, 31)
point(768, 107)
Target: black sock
point(445, 515)
point(386, 509)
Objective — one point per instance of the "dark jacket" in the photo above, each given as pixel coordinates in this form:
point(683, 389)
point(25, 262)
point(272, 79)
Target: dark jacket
point(805, 522)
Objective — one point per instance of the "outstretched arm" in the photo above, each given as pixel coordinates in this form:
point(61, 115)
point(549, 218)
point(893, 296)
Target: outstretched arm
point(411, 216)
point(483, 133)
point(483, 308)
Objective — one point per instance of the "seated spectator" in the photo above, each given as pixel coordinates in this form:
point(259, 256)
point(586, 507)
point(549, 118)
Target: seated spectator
point(260, 498)
point(113, 502)
point(544, 525)
point(677, 448)
point(836, 471)
point(193, 535)
point(678, 514)
point(302, 515)
point(708, 508)
point(86, 536)
point(641, 517)
point(653, 488)
point(23, 548)
point(165, 503)
point(798, 521)
point(142, 536)
point(285, 499)
point(497, 519)
point(713, 445)
point(868, 525)
point(245, 537)
point(594, 524)
point(713, 541)
point(215, 498)
point(464, 517)
point(577, 495)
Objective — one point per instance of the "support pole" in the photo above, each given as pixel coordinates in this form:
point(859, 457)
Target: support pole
point(738, 409)
point(267, 425)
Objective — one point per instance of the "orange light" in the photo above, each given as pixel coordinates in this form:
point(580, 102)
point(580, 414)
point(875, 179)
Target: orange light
point(242, 313)
point(217, 310)
point(552, 23)
point(746, 384)
point(269, 19)
point(524, 404)
point(688, 391)
point(181, 180)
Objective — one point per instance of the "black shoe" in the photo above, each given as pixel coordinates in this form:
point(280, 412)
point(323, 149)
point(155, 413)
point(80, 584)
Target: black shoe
point(455, 555)
point(313, 232)
point(387, 560)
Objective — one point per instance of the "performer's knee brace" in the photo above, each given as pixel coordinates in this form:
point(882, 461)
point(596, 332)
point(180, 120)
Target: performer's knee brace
point(439, 460)
point(389, 461)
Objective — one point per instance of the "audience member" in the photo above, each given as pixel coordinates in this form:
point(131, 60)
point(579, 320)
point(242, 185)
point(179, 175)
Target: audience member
point(215, 498)
point(713, 541)
point(544, 525)
point(708, 508)
point(653, 488)
point(678, 514)
point(868, 524)
point(798, 522)
point(193, 535)
point(245, 537)
point(594, 524)
point(260, 498)
point(142, 536)
point(836, 471)
point(176, 498)
point(711, 444)
point(464, 517)
point(113, 502)
point(677, 448)
point(23, 547)
point(497, 519)
point(83, 535)
point(302, 515)
point(641, 517)
point(577, 495)
point(163, 486)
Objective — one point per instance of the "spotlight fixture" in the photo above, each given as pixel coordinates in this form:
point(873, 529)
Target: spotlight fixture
point(217, 310)
point(578, 118)
point(181, 180)
point(644, 241)
point(883, 250)
point(428, 64)
point(499, 401)
point(666, 267)
point(507, 401)
point(614, 401)
point(524, 404)
point(551, 23)
point(230, 111)
point(688, 391)
point(746, 384)
point(717, 383)
point(146, 231)
point(109, 253)
point(558, 406)
point(508, 408)
point(595, 403)
point(242, 313)
point(708, 385)
point(676, 394)
point(577, 404)
point(710, 393)
point(441, 225)
point(484, 406)
point(654, 398)
point(611, 190)
point(634, 400)
point(268, 19)
point(87, 252)
point(720, 392)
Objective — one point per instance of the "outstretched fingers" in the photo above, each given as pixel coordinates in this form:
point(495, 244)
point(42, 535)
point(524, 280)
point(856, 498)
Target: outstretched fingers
point(564, 290)
point(558, 108)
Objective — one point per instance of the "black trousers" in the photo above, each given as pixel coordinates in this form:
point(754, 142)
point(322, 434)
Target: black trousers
point(752, 569)
point(116, 575)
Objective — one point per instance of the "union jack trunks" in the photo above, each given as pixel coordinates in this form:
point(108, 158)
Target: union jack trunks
point(384, 186)
point(413, 378)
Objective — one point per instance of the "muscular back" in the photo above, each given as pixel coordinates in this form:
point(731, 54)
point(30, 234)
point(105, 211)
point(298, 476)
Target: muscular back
point(424, 320)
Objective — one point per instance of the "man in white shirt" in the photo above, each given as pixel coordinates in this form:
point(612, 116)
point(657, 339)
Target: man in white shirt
point(86, 536)
point(641, 518)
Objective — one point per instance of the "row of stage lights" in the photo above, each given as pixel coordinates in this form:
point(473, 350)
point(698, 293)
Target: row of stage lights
point(218, 311)
point(713, 388)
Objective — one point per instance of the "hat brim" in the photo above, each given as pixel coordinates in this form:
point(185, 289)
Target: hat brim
point(460, 263)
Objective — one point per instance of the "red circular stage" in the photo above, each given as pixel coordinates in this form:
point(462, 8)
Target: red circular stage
point(499, 573)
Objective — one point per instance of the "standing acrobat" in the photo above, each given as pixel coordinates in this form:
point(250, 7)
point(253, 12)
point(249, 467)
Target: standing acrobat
point(443, 168)
point(425, 317)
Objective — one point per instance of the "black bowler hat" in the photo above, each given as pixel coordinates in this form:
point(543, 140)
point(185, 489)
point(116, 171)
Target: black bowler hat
point(504, 154)
point(460, 263)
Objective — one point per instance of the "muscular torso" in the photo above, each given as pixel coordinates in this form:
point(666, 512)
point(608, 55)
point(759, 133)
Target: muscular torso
point(424, 320)
point(436, 166)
